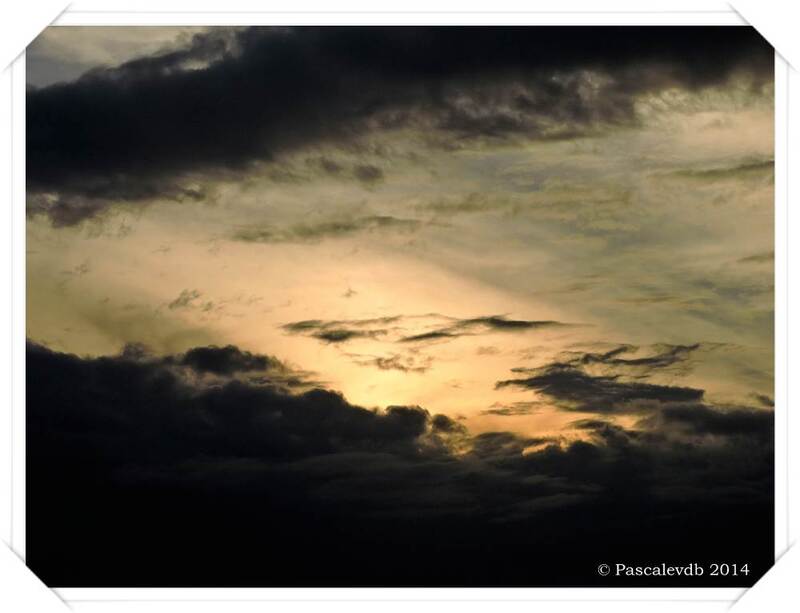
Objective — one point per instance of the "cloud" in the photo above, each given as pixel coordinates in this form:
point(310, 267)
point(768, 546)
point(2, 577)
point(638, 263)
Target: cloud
point(522, 407)
point(150, 457)
point(184, 299)
point(368, 174)
point(759, 258)
point(573, 388)
point(748, 170)
point(429, 336)
point(470, 203)
point(665, 358)
point(407, 364)
point(668, 416)
point(764, 400)
point(714, 421)
point(669, 463)
point(70, 205)
point(208, 365)
point(232, 99)
point(236, 418)
point(326, 164)
point(340, 335)
point(326, 229)
point(339, 331)
point(402, 327)
point(64, 53)
point(227, 360)
point(481, 325)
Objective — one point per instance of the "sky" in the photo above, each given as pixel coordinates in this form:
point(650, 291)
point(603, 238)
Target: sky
point(445, 262)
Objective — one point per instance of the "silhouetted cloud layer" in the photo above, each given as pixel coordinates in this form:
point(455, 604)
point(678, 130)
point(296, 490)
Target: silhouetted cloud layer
point(668, 356)
point(577, 391)
point(176, 470)
point(481, 325)
point(414, 328)
point(233, 98)
point(571, 386)
point(339, 331)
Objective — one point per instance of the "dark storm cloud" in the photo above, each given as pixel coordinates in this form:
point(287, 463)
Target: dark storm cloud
point(312, 232)
point(149, 458)
point(708, 420)
point(235, 419)
point(233, 98)
point(668, 464)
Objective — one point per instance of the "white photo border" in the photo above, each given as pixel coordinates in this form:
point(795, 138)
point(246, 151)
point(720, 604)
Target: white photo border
point(178, 17)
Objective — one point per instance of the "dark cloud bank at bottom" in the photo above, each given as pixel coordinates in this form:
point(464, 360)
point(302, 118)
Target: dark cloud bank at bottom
point(147, 471)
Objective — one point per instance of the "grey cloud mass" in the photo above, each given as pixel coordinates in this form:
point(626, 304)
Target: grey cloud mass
point(235, 98)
